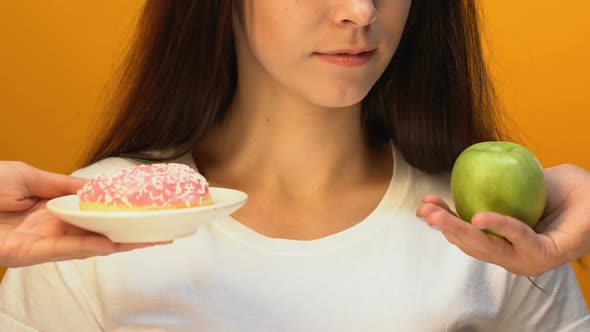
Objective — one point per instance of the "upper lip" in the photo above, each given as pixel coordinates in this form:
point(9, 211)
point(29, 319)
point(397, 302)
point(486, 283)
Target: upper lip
point(352, 51)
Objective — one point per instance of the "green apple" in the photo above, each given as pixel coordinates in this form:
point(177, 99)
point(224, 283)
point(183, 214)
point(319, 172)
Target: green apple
point(502, 177)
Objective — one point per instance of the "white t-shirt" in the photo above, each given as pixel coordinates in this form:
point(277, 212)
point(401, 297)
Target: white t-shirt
point(390, 272)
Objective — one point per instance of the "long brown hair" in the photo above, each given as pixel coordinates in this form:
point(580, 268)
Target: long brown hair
point(434, 99)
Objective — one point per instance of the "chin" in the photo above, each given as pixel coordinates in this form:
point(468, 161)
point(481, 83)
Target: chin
point(338, 98)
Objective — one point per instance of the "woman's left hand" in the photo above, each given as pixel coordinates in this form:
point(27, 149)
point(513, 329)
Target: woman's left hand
point(562, 235)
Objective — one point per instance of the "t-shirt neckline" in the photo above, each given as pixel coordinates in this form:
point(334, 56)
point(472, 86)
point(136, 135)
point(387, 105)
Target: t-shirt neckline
point(392, 199)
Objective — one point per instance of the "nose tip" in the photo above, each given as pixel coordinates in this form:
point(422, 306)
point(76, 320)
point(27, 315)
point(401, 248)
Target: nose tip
point(366, 12)
point(358, 13)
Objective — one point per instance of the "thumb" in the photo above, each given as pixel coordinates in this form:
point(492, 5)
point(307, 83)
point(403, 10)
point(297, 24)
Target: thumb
point(49, 185)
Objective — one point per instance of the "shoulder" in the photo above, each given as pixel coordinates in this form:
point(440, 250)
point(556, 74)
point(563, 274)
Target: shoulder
point(424, 183)
point(438, 183)
point(417, 183)
point(113, 163)
point(104, 166)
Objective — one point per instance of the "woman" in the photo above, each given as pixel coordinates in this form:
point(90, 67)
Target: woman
point(336, 118)
point(31, 235)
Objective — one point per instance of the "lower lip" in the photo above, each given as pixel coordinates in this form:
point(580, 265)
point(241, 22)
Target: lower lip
point(347, 60)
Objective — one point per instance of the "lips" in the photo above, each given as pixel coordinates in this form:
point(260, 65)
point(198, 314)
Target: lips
point(347, 58)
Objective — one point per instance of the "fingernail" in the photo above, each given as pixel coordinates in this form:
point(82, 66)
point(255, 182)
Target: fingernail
point(437, 227)
point(423, 219)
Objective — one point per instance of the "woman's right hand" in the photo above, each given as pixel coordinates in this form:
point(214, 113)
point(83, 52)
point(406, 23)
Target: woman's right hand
point(562, 235)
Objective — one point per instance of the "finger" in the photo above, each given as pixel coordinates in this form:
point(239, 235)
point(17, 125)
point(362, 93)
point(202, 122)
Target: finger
point(484, 247)
point(426, 209)
point(469, 238)
point(517, 232)
point(441, 219)
point(467, 235)
point(50, 185)
point(120, 247)
point(74, 247)
point(434, 199)
point(95, 245)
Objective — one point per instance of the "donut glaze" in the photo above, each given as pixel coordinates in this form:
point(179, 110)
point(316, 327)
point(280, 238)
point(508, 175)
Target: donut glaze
point(146, 187)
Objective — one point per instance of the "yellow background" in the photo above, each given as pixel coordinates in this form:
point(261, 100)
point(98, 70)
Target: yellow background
point(57, 58)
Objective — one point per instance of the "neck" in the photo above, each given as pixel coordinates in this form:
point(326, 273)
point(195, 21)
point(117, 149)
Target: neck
point(273, 139)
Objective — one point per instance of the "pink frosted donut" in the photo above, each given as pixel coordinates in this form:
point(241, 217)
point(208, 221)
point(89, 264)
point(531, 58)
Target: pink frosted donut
point(146, 187)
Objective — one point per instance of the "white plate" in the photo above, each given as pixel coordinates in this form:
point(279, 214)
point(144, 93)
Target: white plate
point(148, 226)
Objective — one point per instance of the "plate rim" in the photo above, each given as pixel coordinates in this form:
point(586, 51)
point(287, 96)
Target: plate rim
point(114, 214)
